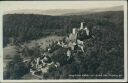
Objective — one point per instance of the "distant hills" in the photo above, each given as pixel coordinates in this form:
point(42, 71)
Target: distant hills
point(85, 12)
point(34, 26)
point(66, 12)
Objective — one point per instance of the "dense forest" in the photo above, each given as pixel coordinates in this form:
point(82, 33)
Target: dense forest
point(103, 55)
point(24, 27)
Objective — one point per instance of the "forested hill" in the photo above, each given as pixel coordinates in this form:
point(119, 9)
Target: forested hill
point(31, 26)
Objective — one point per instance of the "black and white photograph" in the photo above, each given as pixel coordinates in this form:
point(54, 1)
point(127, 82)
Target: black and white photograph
point(63, 40)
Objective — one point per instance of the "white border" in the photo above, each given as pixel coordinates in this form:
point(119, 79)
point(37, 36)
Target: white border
point(80, 80)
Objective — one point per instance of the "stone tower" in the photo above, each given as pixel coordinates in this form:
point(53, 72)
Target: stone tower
point(82, 25)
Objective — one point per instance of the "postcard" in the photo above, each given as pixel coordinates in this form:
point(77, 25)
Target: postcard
point(63, 41)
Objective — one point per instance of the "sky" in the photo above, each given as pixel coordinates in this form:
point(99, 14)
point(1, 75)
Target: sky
point(9, 6)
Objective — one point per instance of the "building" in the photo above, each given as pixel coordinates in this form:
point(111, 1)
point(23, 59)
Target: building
point(72, 39)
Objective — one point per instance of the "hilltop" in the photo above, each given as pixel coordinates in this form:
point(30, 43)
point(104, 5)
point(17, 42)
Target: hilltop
point(103, 55)
point(30, 26)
